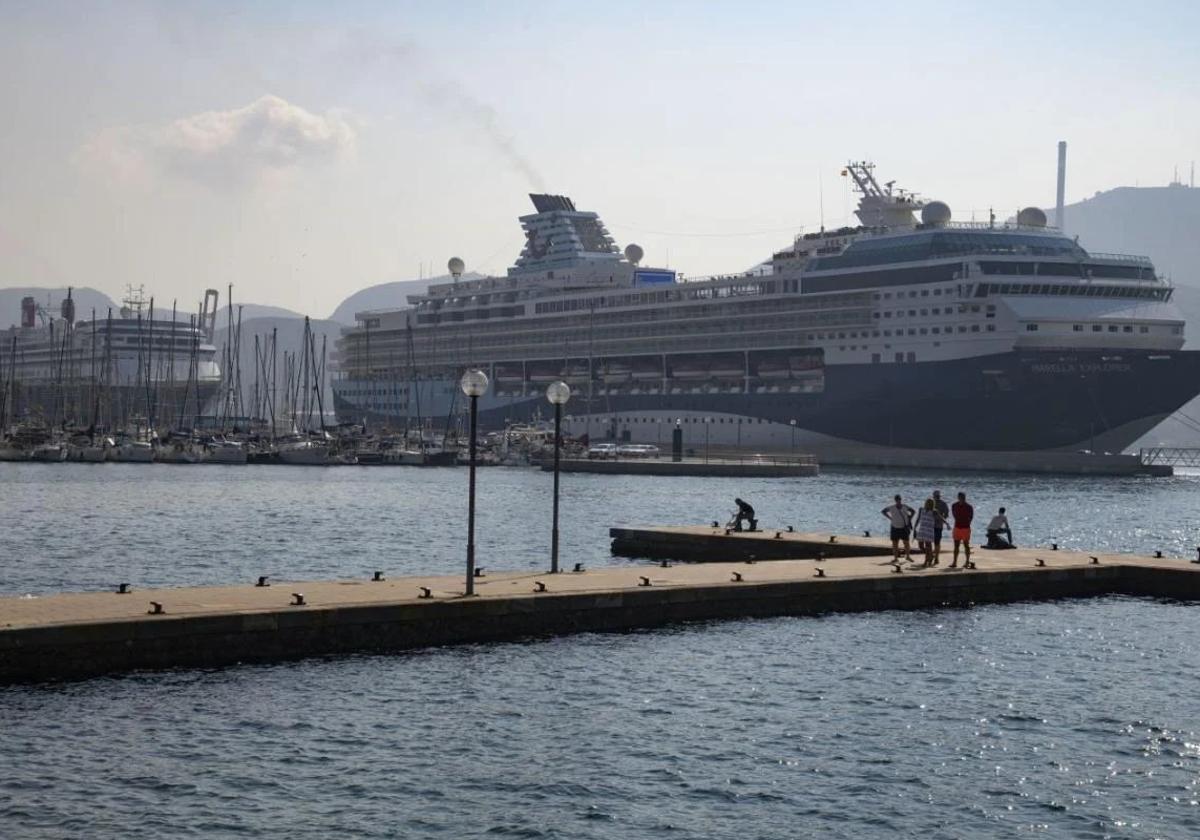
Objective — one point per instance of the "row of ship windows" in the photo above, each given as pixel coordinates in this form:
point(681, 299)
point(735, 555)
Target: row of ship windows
point(949, 310)
point(1112, 328)
point(912, 293)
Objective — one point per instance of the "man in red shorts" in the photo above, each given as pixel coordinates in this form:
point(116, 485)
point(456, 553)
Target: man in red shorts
point(962, 514)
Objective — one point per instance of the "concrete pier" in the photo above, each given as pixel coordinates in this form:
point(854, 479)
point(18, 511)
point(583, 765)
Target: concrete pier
point(80, 635)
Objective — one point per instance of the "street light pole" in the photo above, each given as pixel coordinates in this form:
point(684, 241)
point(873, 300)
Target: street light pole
point(474, 384)
point(707, 420)
point(793, 422)
point(557, 393)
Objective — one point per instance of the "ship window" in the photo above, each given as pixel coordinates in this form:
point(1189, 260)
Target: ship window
point(1031, 327)
point(1144, 329)
point(1176, 330)
point(1077, 327)
point(924, 293)
point(912, 313)
point(912, 294)
point(875, 315)
point(1096, 328)
point(875, 333)
point(887, 314)
point(936, 330)
point(991, 327)
point(1112, 328)
point(962, 329)
point(924, 311)
point(924, 331)
point(937, 311)
point(899, 357)
point(912, 357)
point(974, 328)
point(912, 332)
point(875, 358)
point(887, 333)
point(1128, 328)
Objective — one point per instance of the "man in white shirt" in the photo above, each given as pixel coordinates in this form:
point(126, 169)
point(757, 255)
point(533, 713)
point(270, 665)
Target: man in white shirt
point(999, 525)
point(899, 516)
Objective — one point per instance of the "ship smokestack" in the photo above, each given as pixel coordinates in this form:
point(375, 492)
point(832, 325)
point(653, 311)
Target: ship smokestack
point(1059, 217)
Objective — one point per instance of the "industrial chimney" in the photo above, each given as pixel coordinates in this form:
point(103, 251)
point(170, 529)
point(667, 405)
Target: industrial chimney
point(1059, 220)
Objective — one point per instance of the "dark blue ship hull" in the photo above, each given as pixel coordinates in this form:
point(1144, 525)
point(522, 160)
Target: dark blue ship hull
point(1021, 400)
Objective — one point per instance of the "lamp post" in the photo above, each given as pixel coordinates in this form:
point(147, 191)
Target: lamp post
point(474, 384)
point(557, 393)
point(793, 423)
point(707, 420)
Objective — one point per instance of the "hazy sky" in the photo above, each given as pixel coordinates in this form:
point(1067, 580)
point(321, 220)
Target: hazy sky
point(303, 151)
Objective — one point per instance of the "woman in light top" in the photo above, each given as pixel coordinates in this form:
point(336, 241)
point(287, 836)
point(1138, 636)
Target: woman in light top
point(925, 526)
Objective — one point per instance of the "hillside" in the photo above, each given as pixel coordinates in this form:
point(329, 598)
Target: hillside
point(1158, 222)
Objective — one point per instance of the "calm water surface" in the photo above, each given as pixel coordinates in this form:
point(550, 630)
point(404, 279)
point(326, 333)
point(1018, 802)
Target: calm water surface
point(1059, 719)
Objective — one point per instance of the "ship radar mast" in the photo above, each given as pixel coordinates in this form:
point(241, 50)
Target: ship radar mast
point(134, 301)
point(884, 206)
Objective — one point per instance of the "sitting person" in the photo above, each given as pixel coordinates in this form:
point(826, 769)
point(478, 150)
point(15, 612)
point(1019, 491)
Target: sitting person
point(999, 525)
point(744, 513)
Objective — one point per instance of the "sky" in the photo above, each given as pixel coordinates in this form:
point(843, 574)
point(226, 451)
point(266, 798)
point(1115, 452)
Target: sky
point(303, 151)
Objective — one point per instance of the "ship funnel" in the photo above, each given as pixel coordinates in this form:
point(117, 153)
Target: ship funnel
point(67, 309)
point(28, 312)
point(1059, 220)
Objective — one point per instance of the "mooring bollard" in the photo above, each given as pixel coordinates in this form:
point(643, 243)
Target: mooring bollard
point(122, 588)
point(737, 577)
point(820, 573)
point(866, 533)
point(262, 580)
point(578, 567)
point(1054, 546)
point(1158, 555)
point(645, 581)
point(538, 586)
point(298, 599)
point(425, 592)
point(666, 564)
point(1040, 561)
point(155, 608)
point(377, 577)
point(479, 571)
point(1095, 561)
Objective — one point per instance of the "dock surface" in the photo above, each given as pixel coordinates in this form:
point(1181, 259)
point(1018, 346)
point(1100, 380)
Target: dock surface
point(76, 635)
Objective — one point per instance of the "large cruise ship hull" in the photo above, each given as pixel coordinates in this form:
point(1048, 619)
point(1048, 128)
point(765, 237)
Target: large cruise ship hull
point(1015, 401)
point(115, 405)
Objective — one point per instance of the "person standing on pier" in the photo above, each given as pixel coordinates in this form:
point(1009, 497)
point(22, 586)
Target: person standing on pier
point(963, 515)
point(899, 515)
point(924, 527)
point(943, 517)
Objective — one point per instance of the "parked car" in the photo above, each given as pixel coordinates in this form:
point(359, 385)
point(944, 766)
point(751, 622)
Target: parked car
point(637, 450)
point(602, 451)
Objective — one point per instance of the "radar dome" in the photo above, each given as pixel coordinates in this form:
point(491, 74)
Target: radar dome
point(456, 266)
point(1032, 217)
point(935, 213)
point(634, 253)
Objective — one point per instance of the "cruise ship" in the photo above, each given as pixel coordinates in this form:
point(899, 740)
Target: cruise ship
point(911, 330)
point(134, 366)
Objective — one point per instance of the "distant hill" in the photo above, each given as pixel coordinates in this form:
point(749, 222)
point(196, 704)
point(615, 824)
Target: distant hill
point(251, 311)
point(1158, 222)
point(85, 300)
point(387, 296)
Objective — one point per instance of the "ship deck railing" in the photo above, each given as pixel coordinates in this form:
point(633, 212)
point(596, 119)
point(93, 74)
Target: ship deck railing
point(1171, 456)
